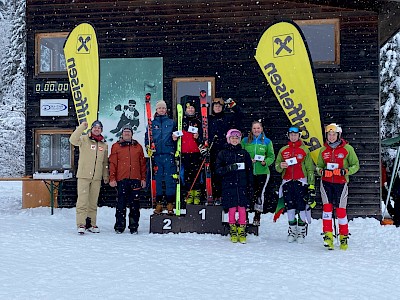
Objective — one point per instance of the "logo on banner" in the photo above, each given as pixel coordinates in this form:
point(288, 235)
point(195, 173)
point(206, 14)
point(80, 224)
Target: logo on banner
point(283, 45)
point(83, 44)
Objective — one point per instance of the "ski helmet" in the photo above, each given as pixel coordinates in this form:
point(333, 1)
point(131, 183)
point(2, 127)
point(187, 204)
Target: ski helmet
point(294, 129)
point(333, 127)
point(219, 101)
point(233, 132)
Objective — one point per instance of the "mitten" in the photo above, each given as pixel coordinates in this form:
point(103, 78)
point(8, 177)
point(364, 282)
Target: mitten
point(232, 167)
point(340, 172)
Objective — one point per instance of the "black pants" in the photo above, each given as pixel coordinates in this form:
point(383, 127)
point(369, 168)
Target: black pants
point(294, 193)
point(191, 164)
point(128, 196)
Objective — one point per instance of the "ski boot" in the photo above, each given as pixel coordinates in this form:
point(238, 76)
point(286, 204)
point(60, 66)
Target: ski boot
point(292, 233)
point(170, 209)
point(196, 197)
point(343, 241)
point(328, 240)
point(159, 208)
point(217, 201)
point(241, 230)
point(301, 233)
point(233, 232)
point(190, 198)
point(257, 218)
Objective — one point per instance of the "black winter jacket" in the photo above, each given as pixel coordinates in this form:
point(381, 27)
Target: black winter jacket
point(219, 124)
point(237, 185)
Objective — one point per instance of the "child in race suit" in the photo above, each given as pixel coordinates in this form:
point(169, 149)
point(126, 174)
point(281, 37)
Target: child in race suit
point(337, 160)
point(191, 156)
point(297, 168)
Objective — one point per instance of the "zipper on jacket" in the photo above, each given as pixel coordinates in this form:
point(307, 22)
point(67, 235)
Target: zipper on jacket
point(95, 160)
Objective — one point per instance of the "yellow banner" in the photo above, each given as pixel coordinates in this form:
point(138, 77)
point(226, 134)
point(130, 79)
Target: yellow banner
point(283, 57)
point(82, 61)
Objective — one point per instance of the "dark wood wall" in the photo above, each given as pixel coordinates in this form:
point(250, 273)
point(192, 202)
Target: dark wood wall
point(218, 38)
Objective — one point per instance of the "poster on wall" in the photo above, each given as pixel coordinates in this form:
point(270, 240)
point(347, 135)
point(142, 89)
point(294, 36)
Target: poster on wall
point(124, 83)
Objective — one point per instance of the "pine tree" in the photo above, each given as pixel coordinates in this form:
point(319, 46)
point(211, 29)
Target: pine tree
point(12, 93)
point(390, 92)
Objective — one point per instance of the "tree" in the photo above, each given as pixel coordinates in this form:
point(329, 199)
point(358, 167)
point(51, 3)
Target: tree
point(12, 92)
point(390, 92)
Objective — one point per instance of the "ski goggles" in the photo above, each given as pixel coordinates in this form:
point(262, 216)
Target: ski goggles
point(333, 128)
point(235, 133)
point(294, 130)
point(219, 101)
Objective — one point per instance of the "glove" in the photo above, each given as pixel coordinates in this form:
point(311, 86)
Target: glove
point(204, 151)
point(326, 173)
point(230, 103)
point(310, 198)
point(340, 172)
point(232, 167)
point(150, 151)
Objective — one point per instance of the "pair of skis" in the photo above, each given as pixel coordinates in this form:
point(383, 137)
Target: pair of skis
point(151, 147)
point(204, 122)
point(178, 161)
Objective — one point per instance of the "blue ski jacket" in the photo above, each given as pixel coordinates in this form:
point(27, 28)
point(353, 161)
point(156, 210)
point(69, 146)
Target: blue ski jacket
point(162, 128)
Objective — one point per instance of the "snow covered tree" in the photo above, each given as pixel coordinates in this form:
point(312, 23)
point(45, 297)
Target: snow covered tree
point(12, 93)
point(390, 91)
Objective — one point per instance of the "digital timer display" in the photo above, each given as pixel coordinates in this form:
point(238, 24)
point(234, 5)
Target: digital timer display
point(51, 87)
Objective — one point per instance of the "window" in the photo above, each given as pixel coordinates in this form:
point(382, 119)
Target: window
point(49, 53)
point(190, 87)
point(323, 39)
point(53, 150)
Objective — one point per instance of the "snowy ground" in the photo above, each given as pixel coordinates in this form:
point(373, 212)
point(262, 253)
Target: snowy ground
point(42, 257)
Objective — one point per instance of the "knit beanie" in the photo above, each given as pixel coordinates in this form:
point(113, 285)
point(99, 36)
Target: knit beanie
point(97, 123)
point(161, 104)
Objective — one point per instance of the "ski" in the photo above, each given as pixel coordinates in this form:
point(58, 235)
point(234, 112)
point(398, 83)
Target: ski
point(151, 148)
point(178, 162)
point(204, 122)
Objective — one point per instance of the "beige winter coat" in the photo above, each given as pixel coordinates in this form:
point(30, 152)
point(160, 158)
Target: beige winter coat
point(93, 156)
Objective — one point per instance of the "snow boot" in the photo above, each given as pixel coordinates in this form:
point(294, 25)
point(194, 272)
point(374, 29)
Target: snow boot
point(196, 197)
point(343, 241)
point(81, 229)
point(301, 233)
point(241, 230)
point(170, 209)
point(94, 229)
point(159, 208)
point(292, 233)
point(328, 240)
point(233, 233)
point(190, 199)
point(257, 218)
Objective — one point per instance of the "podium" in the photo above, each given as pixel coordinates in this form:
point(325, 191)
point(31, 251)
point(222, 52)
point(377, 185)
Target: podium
point(198, 219)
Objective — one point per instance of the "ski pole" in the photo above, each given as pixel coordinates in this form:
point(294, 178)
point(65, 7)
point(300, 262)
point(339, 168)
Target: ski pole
point(334, 226)
point(201, 167)
point(394, 174)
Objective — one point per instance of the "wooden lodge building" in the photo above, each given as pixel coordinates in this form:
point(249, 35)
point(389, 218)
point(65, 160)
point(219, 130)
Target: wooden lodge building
point(215, 42)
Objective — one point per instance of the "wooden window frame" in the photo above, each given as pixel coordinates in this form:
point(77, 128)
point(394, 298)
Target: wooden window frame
point(38, 38)
point(175, 82)
point(336, 23)
point(38, 133)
